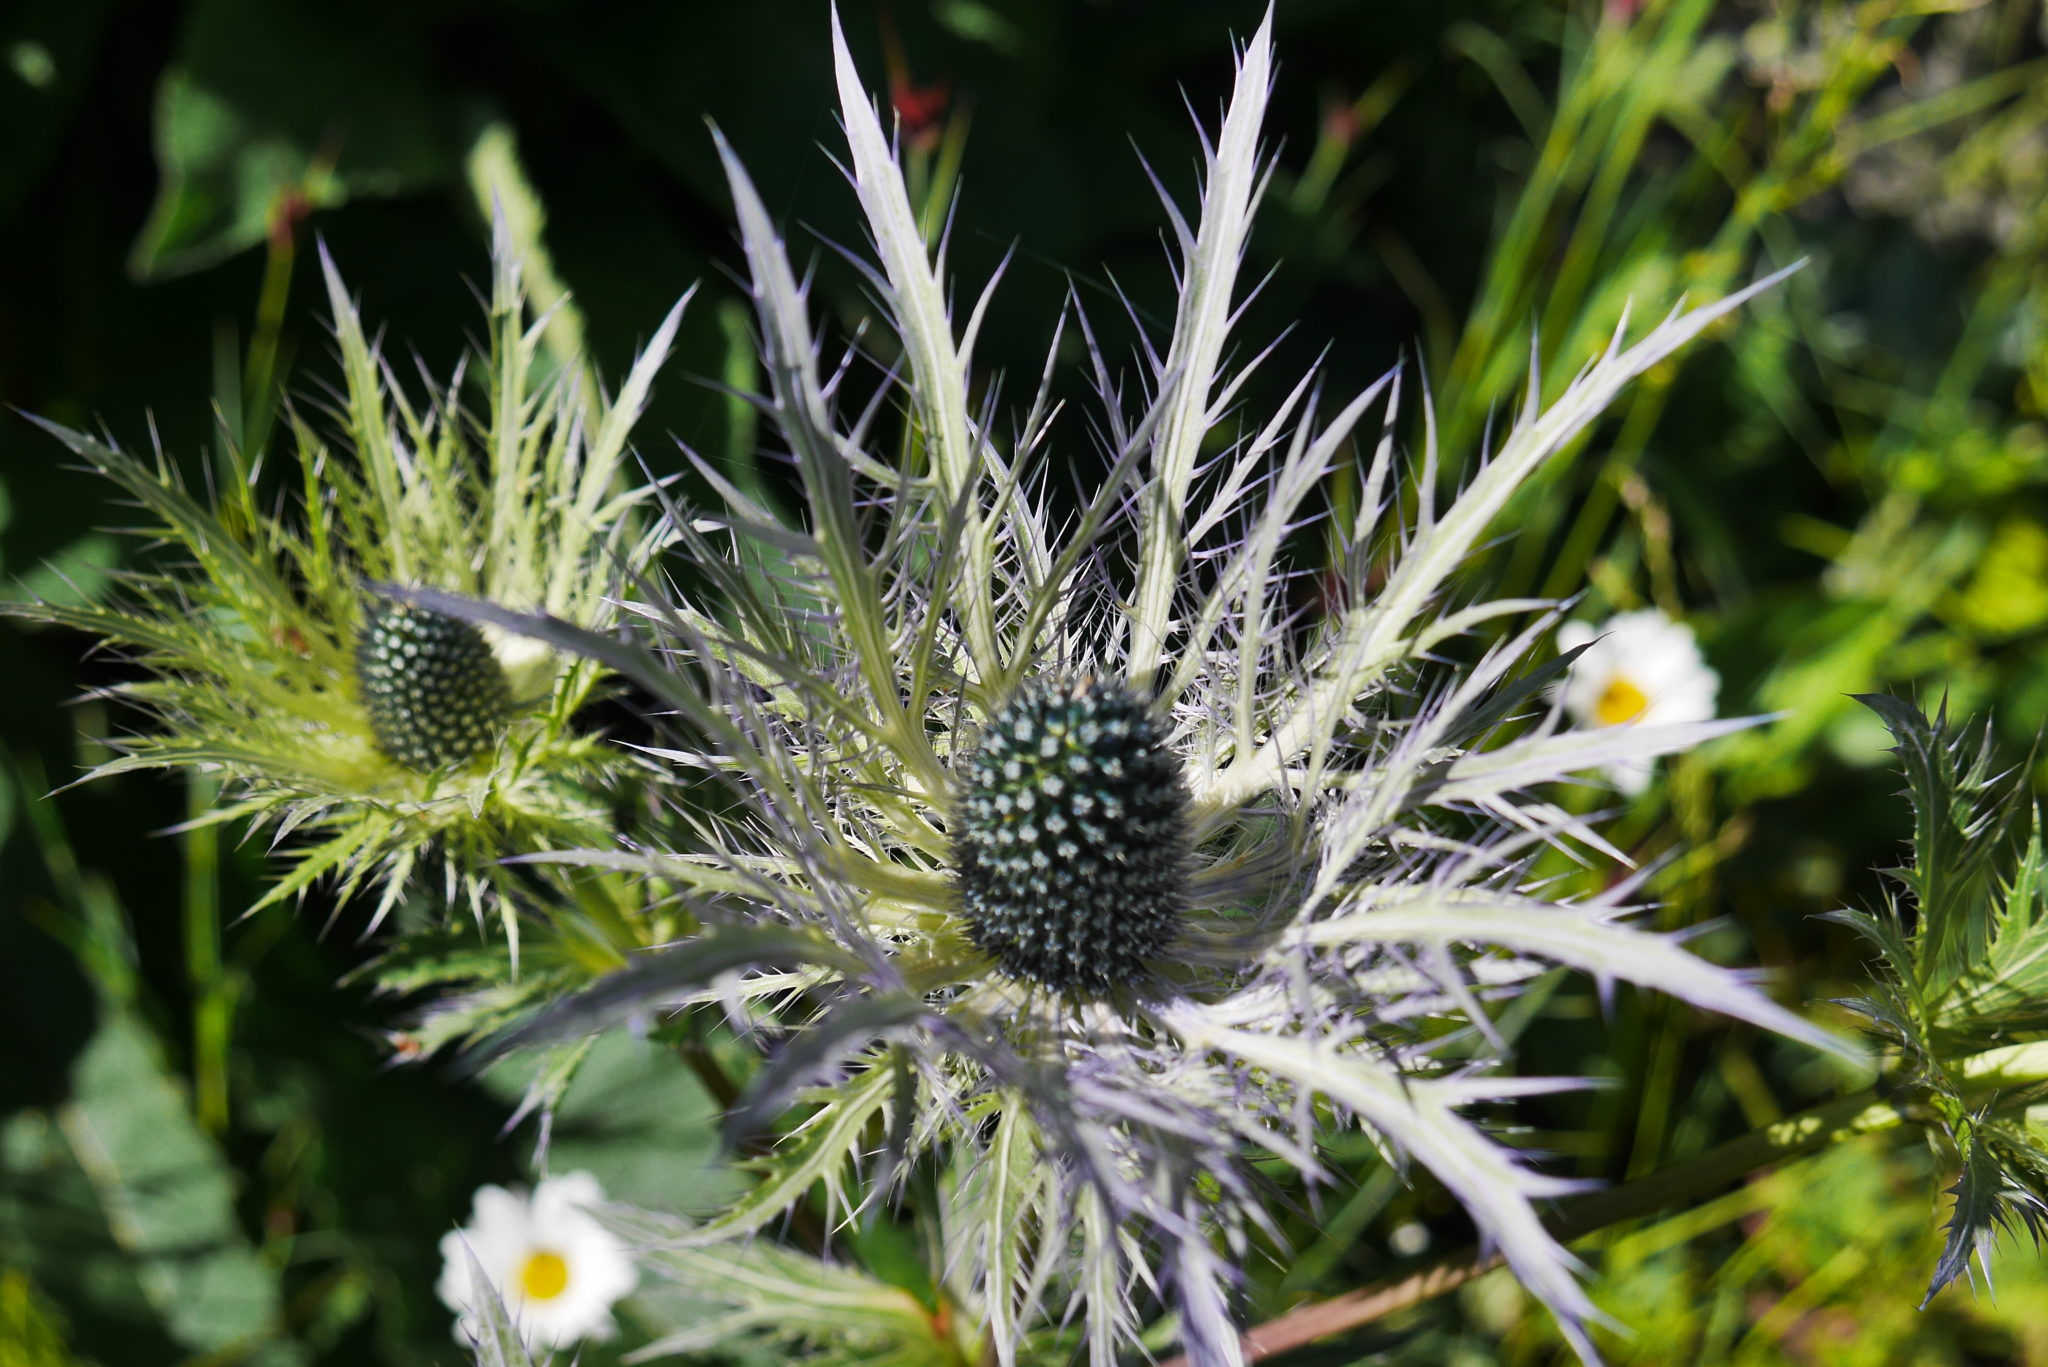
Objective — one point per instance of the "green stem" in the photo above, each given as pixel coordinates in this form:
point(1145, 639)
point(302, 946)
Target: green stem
point(695, 1051)
point(260, 377)
point(1866, 1112)
point(212, 1000)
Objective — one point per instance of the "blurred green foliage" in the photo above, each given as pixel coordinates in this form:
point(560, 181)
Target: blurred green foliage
point(204, 1153)
point(1824, 1262)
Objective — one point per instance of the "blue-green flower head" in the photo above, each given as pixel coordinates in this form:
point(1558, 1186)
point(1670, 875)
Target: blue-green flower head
point(1072, 850)
point(1076, 862)
point(434, 690)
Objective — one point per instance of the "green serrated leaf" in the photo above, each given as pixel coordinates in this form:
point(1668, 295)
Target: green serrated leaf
point(1960, 812)
point(1989, 1199)
point(828, 1040)
point(462, 1019)
point(2007, 989)
point(815, 1154)
point(664, 979)
point(1884, 932)
point(779, 1294)
point(1007, 1188)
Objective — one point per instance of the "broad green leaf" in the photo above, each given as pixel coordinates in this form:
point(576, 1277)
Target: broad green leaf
point(167, 1193)
point(53, 1229)
point(271, 109)
point(635, 1117)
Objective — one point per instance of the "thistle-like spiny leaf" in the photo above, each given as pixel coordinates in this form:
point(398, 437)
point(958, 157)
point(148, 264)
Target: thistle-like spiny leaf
point(1960, 811)
point(1991, 1197)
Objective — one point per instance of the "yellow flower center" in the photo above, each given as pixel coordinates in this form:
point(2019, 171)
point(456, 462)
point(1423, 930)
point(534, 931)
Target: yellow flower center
point(543, 1276)
point(1621, 701)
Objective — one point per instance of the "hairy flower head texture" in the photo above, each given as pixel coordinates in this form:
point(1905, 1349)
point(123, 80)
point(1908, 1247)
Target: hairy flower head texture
point(1054, 852)
point(1638, 668)
point(395, 737)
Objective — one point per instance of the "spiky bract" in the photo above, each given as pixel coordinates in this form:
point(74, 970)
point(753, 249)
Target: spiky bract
point(433, 687)
point(1361, 832)
point(248, 634)
point(1073, 837)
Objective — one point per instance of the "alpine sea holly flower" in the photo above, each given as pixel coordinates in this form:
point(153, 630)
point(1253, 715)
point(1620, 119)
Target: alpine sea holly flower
point(555, 1268)
point(1063, 860)
point(394, 737)
point(1640, 668)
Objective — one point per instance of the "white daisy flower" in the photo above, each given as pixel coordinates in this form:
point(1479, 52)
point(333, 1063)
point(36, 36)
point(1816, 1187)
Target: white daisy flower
point(1638, 668)
point(557, 1269)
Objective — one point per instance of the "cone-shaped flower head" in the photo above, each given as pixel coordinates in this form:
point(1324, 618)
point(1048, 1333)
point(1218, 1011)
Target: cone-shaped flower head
point(390, 735)
point(1072, 850)
point(432, 685)
point(1065, 856)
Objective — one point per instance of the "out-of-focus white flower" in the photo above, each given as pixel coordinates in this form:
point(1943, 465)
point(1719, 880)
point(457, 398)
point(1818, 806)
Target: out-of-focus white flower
point(1410, 1239)
point(558, 1270)
point(1640, 667)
